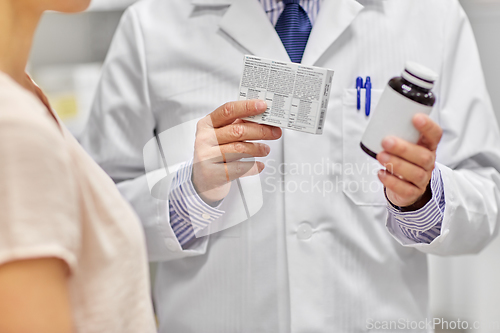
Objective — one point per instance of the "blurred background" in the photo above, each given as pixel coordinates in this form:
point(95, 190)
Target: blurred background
point(66, 61)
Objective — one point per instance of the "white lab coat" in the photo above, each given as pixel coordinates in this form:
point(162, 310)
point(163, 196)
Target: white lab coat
point(307, 261)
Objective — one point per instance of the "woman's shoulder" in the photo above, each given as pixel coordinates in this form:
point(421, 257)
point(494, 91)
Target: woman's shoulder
point(26, 124)
point(21, 109)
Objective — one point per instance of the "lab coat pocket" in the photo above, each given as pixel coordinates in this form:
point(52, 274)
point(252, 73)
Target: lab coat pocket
point(359, 171)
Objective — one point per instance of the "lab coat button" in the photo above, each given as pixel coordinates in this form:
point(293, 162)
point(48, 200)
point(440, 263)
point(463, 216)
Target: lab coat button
point(304, 231)
point(171, 244)
point(205, 216)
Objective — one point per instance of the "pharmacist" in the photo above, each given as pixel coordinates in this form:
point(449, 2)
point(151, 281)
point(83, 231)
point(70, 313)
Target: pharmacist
point(300, 259)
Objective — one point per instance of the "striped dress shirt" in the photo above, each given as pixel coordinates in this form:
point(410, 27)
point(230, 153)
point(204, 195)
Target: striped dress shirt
point(190, 214)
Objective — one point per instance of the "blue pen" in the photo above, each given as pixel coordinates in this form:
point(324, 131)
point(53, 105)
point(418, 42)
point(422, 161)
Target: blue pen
point(368, 102)
point(359, 85)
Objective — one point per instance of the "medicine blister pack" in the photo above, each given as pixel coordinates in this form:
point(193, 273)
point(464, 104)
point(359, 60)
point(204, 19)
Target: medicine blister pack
point(297, 96)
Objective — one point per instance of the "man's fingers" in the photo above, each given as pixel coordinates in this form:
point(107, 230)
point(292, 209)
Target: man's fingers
point(238, 150)
point(408, 171)
point(430, 131)
point(240, 169)
point(245, 132)
point(229, 112)
point(400, 188)
point(220, 174)
point(415, 154)
point(214, 175)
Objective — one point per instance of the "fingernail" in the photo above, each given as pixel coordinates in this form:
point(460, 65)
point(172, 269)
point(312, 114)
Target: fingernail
point(260, 106)
point(388, 143)
point(383, 158)
point(267, 149)
point(276, 132)
point(420, 121)
point(381, 174)
point(261, 166)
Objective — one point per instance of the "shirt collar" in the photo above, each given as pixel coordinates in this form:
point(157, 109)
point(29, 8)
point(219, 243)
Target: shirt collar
point(270, 5)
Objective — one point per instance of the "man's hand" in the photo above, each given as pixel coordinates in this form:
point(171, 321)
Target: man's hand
point(222, 141)
point(409, 166)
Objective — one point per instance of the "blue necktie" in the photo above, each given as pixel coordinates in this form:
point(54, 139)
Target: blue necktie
point(294, 27)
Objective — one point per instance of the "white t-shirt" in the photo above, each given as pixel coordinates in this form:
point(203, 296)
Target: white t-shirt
point(56, 202)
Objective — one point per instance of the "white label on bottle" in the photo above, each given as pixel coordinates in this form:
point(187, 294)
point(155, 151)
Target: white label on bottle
point(393, 116)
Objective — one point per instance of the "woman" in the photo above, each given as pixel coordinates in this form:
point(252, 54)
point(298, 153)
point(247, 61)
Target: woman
point(72, 254)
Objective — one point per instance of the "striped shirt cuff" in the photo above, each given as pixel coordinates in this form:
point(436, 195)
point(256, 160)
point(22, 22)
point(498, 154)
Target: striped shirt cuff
point(423, 225)
point(189, 214)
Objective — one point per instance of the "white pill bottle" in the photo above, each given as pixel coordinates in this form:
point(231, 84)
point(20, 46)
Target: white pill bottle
point(402, 99)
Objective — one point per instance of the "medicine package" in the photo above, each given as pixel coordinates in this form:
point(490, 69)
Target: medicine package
point(297, 96)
